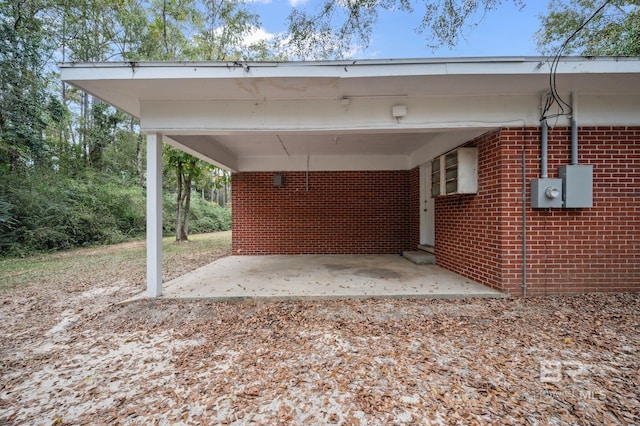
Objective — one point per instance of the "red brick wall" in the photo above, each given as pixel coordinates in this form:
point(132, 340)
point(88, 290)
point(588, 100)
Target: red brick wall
point(414, 207)
point(512, 143)
point(591, 249)
point(468, 230)
point(478, 236)
point(569, 250)
point(343, 212)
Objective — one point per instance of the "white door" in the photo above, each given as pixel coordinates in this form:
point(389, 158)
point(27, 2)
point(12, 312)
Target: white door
point(427, 207)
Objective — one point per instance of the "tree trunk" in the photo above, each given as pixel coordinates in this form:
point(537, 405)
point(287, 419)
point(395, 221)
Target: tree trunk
point(224, 195)
point(179, 176)
point(186, 208)
point(85, 128)
point(139, 159)
point(164, 28)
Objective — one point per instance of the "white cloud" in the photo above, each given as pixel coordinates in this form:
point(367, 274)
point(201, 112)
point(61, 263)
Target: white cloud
point(295, 3)
point(257, 35)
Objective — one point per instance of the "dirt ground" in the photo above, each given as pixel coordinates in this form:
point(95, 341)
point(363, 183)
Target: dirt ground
point(69, 354)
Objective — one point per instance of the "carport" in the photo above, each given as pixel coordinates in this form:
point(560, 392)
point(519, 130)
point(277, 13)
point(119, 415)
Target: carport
point(285, 117)
point(309, 134)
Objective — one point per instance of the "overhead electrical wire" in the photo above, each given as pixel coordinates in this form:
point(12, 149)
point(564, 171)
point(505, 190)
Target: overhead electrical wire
point(283, 146)
point(554, 95)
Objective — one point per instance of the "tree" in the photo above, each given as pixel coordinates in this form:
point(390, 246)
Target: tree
point(222, 33)
point(187, 169)
point(65, 156)
point(219, 35)
point(24, 45)
point(223, 185)
point(337, 26)
point(219, 180)
point(90, 30)
point(615, 30)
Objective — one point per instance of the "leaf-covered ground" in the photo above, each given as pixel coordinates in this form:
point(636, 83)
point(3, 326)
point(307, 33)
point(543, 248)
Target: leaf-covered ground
point(69, 354)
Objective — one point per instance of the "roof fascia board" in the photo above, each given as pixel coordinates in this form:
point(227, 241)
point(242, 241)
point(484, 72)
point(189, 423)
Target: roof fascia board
point(341, 69)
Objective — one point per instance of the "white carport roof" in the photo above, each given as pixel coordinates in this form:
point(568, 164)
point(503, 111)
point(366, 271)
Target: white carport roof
point(337, 115)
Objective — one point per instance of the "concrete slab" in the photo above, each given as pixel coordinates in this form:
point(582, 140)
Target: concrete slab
point(321, 277)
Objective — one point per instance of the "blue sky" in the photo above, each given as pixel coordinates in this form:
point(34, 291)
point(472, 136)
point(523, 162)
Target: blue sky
point(507, 31)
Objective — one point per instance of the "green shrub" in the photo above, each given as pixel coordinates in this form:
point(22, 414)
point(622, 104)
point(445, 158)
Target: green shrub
point(41, 213)
point(205, 216)
point(48, 212)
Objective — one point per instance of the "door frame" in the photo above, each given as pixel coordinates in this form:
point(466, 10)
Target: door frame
point(427, 208)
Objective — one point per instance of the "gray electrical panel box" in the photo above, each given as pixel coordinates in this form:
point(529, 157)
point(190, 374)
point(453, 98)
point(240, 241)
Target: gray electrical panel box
point(577, 188)
point(546, 193)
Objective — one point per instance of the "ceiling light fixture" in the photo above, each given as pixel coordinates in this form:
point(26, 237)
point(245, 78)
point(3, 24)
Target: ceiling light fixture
point(398, 111)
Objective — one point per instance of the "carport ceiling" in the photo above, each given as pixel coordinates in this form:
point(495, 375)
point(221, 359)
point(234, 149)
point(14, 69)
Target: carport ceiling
point(322, 151)
point(318, 144)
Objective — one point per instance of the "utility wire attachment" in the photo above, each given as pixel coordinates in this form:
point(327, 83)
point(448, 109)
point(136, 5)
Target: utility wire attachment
point(564, 108)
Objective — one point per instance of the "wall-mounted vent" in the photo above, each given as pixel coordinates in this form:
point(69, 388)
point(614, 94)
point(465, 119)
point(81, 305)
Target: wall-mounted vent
point(455, 173)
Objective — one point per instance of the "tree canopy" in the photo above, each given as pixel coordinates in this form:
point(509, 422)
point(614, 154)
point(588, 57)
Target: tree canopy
point(335, 27)
point(24, 102)
point(614, 31)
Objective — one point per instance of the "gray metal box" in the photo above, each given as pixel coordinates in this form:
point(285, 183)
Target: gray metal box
point(546, 193)
point(577, 188)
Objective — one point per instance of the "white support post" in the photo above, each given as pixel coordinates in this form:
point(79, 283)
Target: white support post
point(154, 215)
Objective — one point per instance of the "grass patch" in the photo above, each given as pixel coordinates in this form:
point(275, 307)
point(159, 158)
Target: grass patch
point(198, 243)
point(126, 261)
